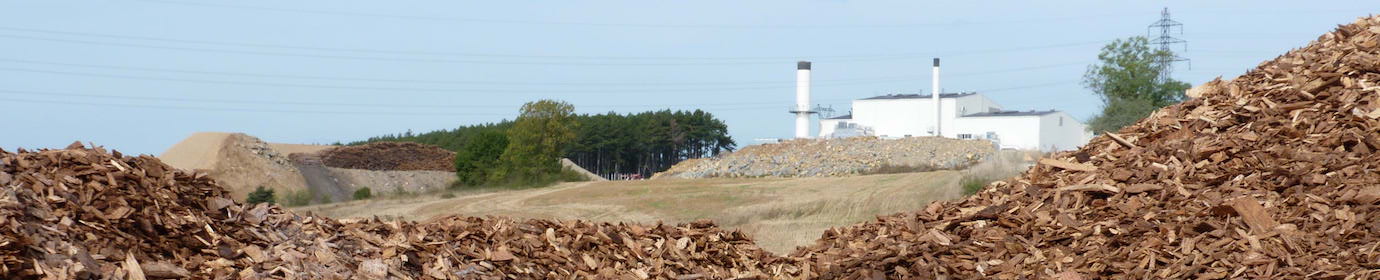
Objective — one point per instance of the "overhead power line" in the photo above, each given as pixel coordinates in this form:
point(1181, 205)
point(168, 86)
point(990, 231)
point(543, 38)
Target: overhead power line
point(405, 89)
point(462, 54)
point(524, 83)
point(251, 110)
point(468, 90)
point(764, 61)
point(702, 106)
point(618, 25)
point(371, 105)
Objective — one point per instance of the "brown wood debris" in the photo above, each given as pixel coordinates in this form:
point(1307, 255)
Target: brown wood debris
point(387, 156)
point(88, 214)
point(1272, 175)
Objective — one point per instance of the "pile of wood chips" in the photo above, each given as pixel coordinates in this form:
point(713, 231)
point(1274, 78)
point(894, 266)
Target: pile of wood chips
point(84, 213)
point(1274, 175)
point(390, 156)
point(1270, 176)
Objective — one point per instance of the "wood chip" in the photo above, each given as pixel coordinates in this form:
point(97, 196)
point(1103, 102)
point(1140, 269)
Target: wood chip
point(1067, 165)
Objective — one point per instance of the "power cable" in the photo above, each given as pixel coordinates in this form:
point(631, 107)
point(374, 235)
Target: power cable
point(470, 61)
point(436, 53)
point(68, 102)
point(620, 25)
point(372, 105)
point(403, 89)
point(362, 79)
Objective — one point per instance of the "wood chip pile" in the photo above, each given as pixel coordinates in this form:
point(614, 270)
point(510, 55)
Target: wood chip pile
point(1273, 175)
point(390, 156)
point(83, 213)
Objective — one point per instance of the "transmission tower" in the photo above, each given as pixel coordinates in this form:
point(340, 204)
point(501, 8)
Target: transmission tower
point(1166, 26)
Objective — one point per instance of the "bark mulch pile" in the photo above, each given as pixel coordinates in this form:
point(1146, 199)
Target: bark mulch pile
point(1274, 175)
point(390, 156)
point(1270, 176)
point(83, 213)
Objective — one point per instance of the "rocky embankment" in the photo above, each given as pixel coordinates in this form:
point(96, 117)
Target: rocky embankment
point(835, 157)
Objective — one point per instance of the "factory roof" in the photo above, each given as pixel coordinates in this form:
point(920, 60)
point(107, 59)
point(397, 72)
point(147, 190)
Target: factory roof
point(1011, 113)
point(843, 117)
point(918, 96)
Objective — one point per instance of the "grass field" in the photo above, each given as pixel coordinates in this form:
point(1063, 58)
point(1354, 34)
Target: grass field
point(780, 213)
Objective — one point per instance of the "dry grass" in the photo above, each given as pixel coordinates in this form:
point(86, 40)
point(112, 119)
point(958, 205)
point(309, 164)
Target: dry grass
point(780, 213)
point(1005, 164)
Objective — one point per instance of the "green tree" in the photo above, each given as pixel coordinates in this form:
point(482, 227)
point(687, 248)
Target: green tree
point(475, 161)
point(261, 195)
point(1127, 80)
point(539, 137)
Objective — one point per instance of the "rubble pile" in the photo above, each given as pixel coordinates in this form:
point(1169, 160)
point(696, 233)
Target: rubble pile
point(835, 157)
point(390, 156)
point(1274, 175)
point(260, 148)
point(83, 213)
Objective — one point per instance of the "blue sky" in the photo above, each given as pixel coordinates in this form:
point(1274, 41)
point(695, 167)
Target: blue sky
point(139, 75)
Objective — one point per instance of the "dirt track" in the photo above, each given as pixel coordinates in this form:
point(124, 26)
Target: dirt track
point(781, 213)
point(319, 179)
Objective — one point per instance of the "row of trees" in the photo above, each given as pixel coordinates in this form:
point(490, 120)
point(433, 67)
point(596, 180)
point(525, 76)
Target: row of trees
point(528, 149)
point(648, 142)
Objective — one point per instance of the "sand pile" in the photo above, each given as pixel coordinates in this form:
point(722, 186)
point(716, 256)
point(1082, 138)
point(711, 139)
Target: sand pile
point(238, 162)
point(835, 157)
point(1274, 175)
point(88, 214)
point(390, 156)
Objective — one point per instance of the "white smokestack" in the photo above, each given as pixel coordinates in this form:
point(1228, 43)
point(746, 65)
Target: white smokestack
point(802, 100)
point(934, 93)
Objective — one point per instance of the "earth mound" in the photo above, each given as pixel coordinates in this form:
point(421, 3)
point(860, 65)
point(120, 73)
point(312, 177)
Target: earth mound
point(390, 156)
point(1274, 175)
point(238, 162)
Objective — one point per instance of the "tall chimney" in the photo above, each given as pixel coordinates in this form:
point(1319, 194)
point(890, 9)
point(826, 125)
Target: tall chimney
point(802, 100)
point(934, 93)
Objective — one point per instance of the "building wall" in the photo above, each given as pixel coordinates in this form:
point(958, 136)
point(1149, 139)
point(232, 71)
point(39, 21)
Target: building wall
point(895, 118)
point(826, 126)
point(892, 117)
point(1013, 132)
point(976, 103)
point(1057, 136)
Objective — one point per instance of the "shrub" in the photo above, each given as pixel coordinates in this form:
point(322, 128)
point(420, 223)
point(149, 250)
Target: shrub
point(299, 198)
point(972, 185)
point(261, 195)
point(570, 175)
point(363, 193)
point(893, 169)
point(447, 195)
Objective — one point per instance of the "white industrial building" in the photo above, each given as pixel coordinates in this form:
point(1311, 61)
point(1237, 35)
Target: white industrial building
point(960, 115)
point(963, 116)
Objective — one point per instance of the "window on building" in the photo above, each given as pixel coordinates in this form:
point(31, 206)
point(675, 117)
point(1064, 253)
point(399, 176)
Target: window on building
point(965, 136)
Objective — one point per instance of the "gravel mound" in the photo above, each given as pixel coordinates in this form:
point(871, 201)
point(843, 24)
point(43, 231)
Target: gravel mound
point(835, 157)
point(390, 156)
point(1274, 175)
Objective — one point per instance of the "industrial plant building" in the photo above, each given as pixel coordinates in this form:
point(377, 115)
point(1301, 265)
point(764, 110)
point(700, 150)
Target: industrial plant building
point(963, 116)
point(966, 115)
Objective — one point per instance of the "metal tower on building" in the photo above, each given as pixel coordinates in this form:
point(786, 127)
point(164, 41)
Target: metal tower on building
point(1166, 26)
